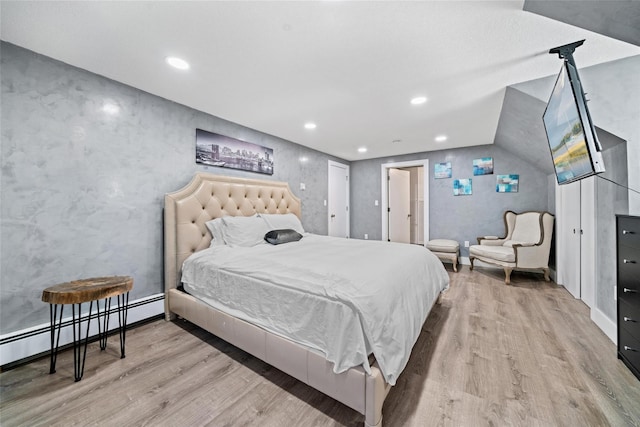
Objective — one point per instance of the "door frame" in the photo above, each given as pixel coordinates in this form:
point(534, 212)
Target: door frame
point(384, 188)
point(348, 183)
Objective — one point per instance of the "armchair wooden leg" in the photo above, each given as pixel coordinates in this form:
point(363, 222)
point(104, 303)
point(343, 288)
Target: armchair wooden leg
point(507, 274)
point(546, 274)
point(471, 259)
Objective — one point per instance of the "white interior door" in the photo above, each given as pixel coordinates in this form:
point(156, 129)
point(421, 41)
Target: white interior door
point(338, 205)
point(421, 215)
point(399, 206)
point(570, 252)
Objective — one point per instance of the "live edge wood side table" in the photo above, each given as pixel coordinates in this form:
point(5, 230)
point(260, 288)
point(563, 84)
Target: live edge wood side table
point(87, 290)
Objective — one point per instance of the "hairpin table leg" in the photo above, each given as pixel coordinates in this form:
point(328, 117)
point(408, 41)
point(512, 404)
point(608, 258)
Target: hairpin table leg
point(122, 320)
point(78, 364)
point(55, 341)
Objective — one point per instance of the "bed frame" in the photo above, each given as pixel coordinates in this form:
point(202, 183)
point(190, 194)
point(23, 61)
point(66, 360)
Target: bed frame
point(210, 196)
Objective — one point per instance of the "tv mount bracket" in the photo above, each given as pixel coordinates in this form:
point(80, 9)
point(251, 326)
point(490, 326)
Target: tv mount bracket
point(566, 51)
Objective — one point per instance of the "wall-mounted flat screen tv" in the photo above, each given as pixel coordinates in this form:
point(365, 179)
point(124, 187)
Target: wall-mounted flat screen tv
point(574, 145)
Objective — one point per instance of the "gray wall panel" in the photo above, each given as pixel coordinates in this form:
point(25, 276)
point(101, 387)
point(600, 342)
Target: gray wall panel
point(452, 217)
point(613, 18)
point(82, 189)
point(610, 200)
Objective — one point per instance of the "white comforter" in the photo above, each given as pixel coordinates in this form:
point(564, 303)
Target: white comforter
point(343, 297)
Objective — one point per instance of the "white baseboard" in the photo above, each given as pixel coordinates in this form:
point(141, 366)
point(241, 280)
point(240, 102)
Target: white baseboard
point(37, 339)
point(608, 326)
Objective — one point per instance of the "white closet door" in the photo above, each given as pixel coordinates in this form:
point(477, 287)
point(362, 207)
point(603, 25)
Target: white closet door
point(576, 258)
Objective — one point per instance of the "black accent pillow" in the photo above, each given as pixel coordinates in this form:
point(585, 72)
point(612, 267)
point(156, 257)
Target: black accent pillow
point(275, 237)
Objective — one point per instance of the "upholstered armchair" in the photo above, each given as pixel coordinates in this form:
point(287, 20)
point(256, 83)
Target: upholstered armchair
point(525, 246)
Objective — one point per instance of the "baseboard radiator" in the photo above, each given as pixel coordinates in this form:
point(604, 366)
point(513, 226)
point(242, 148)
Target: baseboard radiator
point(19, 347)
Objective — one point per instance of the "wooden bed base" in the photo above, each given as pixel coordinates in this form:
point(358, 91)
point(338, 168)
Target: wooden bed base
point(208, 197)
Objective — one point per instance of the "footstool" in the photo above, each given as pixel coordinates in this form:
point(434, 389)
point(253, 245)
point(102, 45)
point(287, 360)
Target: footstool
point(445, 250)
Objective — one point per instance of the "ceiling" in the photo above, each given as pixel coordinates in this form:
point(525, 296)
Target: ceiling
point(350, 67)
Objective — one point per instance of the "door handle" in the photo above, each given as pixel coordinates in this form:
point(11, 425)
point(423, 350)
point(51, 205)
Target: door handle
point(629, 291)
point(333, 216)
point(627, 232)
point(628, 261)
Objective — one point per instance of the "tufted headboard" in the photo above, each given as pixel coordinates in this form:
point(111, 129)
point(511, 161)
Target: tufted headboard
point(208, 197)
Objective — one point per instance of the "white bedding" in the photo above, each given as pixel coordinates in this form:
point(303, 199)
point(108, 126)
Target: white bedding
point(343, 297)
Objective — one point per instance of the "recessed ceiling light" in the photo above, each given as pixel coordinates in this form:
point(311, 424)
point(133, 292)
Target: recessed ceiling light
point(178, 63)
point(441, 138)
point(304, 159)
point(309, 125)
point(362, 150)
point(419, 100)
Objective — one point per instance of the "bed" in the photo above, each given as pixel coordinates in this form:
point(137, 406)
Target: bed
point(352, 376)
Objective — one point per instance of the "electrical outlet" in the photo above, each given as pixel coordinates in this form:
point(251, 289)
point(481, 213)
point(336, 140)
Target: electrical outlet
point(375, 203)
point(325, 203)
point(366, 237)
point(302, 186)
point(466, 243)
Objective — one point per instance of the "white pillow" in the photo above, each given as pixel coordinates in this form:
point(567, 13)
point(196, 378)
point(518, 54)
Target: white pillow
point(244, 231)
point(215, 228)
point(283, 221)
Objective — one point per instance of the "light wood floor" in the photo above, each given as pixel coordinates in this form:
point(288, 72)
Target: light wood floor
point(489, 355)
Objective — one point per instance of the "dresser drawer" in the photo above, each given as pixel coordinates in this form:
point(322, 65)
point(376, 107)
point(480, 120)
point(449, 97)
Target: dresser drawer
point(629, 347)
point(628, 283)
point(629, 294)
point(628, 265)
point(629, 231)
point(629, 318)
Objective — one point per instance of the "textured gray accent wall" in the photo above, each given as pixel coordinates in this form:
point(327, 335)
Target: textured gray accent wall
point(551, 207)
point(617, 19)
point(521, 129)
point(610, 200)
point(452, 217)
point(82, 189)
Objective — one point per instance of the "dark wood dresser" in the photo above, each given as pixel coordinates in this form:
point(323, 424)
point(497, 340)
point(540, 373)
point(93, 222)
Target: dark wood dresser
point(628, 256)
